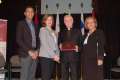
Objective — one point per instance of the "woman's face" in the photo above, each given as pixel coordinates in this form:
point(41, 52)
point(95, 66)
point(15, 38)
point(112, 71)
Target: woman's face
point(49, 21)
point(90, 24)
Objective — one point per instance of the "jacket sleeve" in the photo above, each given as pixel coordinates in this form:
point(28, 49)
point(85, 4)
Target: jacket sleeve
point(19, 37)
point(60, 37)
point(80, 41)
point(101, 44)
point(37, 40)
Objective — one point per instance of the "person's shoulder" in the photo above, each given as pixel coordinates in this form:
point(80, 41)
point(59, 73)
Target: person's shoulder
point(100, 31)
point(20, 24)
point(77, 30)
point(21, 21)
point(43, 29)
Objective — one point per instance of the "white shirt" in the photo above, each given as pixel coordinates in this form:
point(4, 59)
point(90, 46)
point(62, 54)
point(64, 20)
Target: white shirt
point(86, 39)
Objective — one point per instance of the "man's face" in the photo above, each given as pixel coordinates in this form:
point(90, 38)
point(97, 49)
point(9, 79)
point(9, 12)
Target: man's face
point(29, 13)
point(68, 21)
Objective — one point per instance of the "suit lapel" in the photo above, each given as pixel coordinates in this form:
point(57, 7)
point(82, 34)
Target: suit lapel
point(36, 31)
point(27, 27)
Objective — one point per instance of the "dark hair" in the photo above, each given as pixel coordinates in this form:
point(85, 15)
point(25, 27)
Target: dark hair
point(29, 6)
point(45, 18)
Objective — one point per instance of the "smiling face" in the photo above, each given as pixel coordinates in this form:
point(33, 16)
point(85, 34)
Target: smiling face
point(49, 21)
point(29, 13)
point(90, 23)
point(68, 21)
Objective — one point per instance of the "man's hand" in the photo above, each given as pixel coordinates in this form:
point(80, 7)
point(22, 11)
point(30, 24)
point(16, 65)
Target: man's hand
point(76, 48)
point(33, 54)
point(60, 46)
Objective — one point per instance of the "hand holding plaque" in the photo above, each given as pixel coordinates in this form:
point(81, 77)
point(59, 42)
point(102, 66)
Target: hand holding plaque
point(68, 46)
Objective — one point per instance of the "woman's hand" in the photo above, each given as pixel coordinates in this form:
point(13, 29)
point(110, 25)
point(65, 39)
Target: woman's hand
point(56, 58)
point(100, 62)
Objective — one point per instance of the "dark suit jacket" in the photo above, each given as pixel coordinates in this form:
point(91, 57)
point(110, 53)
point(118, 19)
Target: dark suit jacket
point(24, 38)
point(74, 36)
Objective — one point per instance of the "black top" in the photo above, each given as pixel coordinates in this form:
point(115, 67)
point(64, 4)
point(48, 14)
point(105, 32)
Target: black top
point(72, 35)
point(92, 51)
point(95, 45)
point(75, 36)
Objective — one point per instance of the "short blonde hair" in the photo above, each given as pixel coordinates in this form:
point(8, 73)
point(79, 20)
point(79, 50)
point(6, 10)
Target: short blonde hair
point(91, 17)
point(68, 16)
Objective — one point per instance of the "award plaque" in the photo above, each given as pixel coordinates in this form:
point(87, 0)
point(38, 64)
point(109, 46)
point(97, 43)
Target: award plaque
point(68, 46)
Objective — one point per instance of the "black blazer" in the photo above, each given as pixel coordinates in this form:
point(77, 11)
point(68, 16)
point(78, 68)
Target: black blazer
point(95, 45)
point(75, 36)
point(24, 38)
point(92, 51)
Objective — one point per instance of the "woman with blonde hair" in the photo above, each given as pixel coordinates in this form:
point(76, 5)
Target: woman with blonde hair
point(93, 51)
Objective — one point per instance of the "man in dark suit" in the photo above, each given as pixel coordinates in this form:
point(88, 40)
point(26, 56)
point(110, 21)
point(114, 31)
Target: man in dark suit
point(28, 44)
point(70, 41)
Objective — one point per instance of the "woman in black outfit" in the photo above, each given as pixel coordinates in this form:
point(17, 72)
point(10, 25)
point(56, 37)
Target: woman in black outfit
point(93, 51)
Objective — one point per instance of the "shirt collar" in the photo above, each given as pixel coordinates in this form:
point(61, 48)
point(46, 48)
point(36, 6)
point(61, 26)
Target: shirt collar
point(29, 21)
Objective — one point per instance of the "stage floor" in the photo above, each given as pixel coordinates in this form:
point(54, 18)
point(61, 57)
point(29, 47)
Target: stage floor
point(52, 79)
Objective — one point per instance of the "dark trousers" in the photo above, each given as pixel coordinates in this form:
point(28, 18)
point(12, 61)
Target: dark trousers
point(70, 64)
point(28, 68)
point(47, 66)
point(71, 67)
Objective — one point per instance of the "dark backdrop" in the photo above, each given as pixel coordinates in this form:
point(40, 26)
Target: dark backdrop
point(108, 19)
